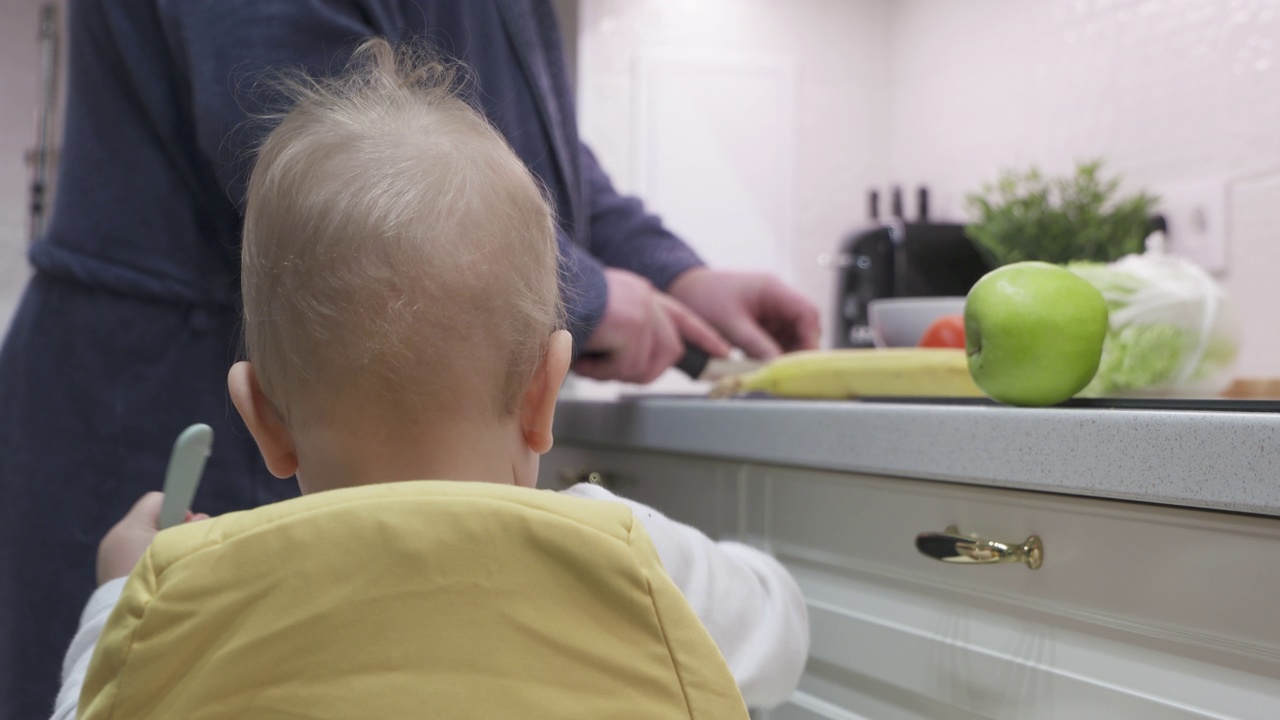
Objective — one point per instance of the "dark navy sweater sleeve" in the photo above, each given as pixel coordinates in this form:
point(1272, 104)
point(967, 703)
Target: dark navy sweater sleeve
point(623, 234)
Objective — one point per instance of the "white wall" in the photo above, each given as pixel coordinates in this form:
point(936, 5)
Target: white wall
point(1178, 96)
point(1171, 92)
point(19, 96)
point(742, 122)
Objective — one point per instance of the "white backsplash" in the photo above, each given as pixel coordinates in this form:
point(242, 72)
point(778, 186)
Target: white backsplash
point(1176, 94)
point(775, 108)
point(1172, 93)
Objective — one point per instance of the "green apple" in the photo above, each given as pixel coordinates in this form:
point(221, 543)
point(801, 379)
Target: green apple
point(1033, 333)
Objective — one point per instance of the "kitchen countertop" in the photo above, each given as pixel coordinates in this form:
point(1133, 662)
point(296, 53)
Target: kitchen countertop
point(1203, 459)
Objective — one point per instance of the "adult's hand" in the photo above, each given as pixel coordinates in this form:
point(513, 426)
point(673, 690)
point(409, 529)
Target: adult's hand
point(642, 333)
point(123, 545)
point(754, 311)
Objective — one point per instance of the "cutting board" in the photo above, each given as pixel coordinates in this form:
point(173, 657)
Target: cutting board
point(1253, 389)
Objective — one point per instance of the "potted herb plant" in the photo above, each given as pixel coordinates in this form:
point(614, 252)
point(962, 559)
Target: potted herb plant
point(1025, 215)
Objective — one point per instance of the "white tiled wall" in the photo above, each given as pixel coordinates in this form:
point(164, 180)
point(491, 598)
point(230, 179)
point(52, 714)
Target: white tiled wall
point(815, 67)
point(1164, 89)
point(945, 93)
point(1170, 92)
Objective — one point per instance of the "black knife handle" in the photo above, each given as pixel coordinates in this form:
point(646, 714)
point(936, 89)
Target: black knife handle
point(694, 361)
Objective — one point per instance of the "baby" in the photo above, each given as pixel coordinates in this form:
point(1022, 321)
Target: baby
point(403, 321)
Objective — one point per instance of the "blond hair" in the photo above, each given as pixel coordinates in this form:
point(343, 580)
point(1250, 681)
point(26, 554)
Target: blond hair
point(398, 256)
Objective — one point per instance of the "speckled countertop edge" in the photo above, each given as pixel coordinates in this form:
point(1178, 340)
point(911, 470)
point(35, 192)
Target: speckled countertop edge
point(1217, 460)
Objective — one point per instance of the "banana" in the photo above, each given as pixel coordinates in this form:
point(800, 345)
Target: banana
point(835, 374)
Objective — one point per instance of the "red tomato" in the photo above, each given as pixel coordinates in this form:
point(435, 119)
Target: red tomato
point(945, 332)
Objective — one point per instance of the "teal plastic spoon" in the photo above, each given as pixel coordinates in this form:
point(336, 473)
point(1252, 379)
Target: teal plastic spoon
point(186, 464)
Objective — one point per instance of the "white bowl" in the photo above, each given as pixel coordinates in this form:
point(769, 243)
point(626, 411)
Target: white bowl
point(899, 322)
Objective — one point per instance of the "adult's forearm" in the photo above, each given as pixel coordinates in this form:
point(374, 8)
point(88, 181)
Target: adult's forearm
point(625, 235)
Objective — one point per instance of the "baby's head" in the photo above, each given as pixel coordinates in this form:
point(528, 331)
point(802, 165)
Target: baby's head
point(400, 280)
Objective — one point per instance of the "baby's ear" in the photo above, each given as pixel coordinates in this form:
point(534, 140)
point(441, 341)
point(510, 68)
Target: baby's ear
point(268, 430)
point(538, 406)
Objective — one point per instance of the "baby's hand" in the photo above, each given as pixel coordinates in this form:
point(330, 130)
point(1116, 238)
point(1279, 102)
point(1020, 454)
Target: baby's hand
point(124, 544)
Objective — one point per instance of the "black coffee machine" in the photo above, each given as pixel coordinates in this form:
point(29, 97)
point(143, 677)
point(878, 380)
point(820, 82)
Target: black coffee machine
point(897, 258)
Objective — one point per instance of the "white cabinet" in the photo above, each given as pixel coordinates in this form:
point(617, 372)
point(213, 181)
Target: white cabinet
point(702, 493)
point(1139, 611)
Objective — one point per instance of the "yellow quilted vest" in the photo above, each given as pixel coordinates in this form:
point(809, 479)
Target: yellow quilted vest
point(408, 600)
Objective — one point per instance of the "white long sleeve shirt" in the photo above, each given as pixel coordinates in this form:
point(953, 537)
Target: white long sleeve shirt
point(76, 663)
point(747, 600)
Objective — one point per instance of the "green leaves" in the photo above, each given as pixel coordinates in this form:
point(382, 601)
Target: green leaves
point(1170, 331)
point(1139, 356)
point(1027, 216)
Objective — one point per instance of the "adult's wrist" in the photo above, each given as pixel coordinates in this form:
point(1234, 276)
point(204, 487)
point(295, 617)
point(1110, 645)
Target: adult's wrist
point(680, 283)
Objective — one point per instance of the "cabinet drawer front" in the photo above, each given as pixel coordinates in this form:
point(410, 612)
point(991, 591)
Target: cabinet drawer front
point(695, 491)
point(1186, 573)
point(1137, 611)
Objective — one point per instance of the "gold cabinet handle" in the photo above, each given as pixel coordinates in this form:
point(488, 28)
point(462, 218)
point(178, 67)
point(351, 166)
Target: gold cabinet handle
point(569, 478)
point(951, 546)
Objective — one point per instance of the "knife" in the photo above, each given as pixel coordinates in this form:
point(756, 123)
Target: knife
point(699, 365)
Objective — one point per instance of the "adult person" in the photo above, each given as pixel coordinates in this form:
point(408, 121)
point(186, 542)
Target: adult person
point(125, 333)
